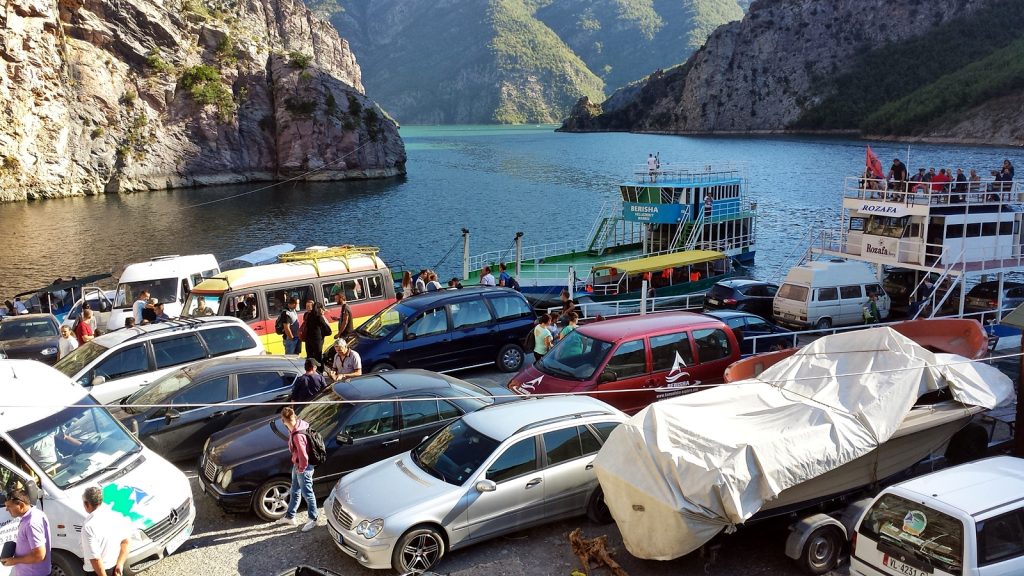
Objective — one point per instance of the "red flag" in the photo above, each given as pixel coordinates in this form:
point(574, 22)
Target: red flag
point(874, 164)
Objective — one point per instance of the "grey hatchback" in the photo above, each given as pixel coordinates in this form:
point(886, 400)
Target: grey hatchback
point(984, 297)
point(494, 471)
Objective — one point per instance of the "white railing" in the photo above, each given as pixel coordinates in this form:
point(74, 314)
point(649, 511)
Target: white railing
point(921, 193)
point(592, 310)
point(687, 173)
point(535, 252)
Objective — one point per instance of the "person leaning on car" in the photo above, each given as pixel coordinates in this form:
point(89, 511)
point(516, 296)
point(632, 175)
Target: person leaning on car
point(346, 362)
point(308, 385)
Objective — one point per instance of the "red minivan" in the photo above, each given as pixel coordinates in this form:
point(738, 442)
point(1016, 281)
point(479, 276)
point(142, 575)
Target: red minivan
point(631, 362)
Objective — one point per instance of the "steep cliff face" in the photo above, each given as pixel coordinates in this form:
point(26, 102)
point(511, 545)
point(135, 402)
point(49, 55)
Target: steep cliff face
point(484, 61)
point(762, 73)
point(129, 95)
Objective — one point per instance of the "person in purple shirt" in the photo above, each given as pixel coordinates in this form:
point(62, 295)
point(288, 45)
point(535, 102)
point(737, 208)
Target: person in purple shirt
point(32, 545)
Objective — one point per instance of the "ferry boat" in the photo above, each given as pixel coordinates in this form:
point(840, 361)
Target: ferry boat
point(680, 227)
point(949, 234)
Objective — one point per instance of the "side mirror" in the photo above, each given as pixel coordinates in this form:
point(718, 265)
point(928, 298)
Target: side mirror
point(343, 438)
point(97, 380)
point(607, 376)
point(171, 414)
point(486, 486)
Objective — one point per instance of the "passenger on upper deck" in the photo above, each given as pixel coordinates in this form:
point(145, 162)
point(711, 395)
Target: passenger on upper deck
point(918, 181)
point(897, 175)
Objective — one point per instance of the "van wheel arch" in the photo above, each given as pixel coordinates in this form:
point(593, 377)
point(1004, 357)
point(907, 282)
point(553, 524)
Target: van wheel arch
point(67, 564)
point(823, 323)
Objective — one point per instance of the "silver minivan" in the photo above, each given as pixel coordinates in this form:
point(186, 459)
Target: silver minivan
point(497, 470)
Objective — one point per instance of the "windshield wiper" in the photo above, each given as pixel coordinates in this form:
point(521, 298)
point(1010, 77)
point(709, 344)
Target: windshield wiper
point(428, 469)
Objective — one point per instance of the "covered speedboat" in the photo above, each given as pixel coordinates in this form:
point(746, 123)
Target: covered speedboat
point(844, 412)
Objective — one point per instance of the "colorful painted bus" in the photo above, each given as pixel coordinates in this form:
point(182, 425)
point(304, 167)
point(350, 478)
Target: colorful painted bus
point(258, 294)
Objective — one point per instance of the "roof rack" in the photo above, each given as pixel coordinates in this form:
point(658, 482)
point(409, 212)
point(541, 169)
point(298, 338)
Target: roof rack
point(342, 253)
point(180, 322)
point(575, 416)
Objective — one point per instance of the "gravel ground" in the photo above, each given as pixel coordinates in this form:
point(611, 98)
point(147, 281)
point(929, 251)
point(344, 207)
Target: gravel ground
point(227, 544)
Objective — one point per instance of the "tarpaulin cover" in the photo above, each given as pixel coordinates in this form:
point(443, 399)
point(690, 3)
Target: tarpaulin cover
point(683, 469)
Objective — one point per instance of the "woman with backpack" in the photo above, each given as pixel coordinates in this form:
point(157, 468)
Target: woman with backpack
point(302, 470)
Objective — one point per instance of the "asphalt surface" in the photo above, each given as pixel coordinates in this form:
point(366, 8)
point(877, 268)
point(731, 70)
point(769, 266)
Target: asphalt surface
point(228, 544)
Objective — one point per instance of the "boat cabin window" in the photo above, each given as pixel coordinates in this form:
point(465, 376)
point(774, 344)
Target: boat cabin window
point(827, 294)
point(989, 228)
point(245, 306)
point(973, 230)
point(277, 299)
point(887, 226)
point(955, 231)
point(857, 224)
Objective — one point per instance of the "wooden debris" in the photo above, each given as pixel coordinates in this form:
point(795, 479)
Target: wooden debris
point(596, 551)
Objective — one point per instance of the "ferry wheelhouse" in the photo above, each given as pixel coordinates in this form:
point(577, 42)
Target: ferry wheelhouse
point(947, 234)
point(680, 227)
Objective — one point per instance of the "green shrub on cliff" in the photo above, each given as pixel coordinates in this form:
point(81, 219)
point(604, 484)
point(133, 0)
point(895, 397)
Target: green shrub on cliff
point(203, 83)
point(299, 60)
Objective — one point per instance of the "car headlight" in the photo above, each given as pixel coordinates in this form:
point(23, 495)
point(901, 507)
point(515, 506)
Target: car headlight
point(48, 351)
point(369, 529)
point(224, 478)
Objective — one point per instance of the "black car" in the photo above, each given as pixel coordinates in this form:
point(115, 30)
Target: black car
point(178, 433)
point(30, 337)
point(248, 467)
point(984, 297)
point(447, 330)
point(756, 335)
point(752, 296)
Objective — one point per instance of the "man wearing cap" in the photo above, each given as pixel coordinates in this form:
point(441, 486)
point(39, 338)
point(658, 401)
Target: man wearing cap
point(307, 386)
point(32, 544)
point(346, 362)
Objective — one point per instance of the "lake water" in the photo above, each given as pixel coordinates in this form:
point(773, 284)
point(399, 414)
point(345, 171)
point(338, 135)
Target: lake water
point(493, 180)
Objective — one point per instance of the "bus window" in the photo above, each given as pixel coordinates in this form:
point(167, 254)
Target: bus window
point(278, 298)
point(245, 306)
point(375, 286)
point(352, 289)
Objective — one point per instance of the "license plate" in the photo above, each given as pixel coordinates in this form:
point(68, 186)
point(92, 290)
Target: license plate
point(336, 535)
point(900, 567)
point(176, 542)
point(712, 301)
point(789, 316)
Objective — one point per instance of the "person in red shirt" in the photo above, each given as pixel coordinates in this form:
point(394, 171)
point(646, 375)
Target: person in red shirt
point(83, 330)
point(940, 181)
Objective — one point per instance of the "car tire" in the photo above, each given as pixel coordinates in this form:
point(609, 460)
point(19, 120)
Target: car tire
point(418, 550)
point(822, 551)
point(510, 358)
point(64, 564)
point(270, 501)
point(597, 510)
point(823, 324)
point(382, 367)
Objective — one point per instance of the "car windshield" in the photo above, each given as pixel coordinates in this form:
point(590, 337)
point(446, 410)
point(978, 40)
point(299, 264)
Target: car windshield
point(22, 328)
point(201, 305)
point(77, 443)
point(385, 321)
point(576, 356)
point(323, 417)
point(454, 452)
point(463, 388)
point(158, 391)
point(80, 358)
point(911, 528)
point(164, 289)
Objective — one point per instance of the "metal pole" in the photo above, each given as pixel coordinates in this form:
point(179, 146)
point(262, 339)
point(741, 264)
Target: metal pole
point(643, 297)
point(519, 256)
point(465, 252)
point(570, 282)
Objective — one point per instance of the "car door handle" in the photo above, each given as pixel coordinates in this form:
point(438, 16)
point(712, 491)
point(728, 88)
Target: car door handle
point(589, 466)
point(389, 442)
point(533, 483)
point(218, 413)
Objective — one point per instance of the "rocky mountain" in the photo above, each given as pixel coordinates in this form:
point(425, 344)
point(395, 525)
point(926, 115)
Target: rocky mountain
point(512, 61)
point(129, 95)
point(942, 70)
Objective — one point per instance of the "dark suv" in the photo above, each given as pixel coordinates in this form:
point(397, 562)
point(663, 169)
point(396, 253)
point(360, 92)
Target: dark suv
point(446, 330)
point(746, 295)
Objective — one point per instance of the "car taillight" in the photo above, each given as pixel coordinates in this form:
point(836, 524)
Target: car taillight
point(853, 543)
point(730, 301)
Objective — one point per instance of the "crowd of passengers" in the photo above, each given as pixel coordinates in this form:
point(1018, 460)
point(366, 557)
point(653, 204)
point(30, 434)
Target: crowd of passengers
point(899, 180)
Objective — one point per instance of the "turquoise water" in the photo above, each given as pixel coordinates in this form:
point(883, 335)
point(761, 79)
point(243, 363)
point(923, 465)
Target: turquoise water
point(494, 180)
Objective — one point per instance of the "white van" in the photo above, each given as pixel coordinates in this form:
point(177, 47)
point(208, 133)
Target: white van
point(825, 293)
point(169, 279)
point(967, 520)
point(55, 441)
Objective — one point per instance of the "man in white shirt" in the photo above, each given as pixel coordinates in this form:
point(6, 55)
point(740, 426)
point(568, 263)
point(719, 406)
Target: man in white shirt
point(486, 278)
point(104, 536)
point(139, 306)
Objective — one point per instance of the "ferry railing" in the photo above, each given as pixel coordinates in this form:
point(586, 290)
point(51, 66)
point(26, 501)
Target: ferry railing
point(533, 252)
point(922, 193)
point(668, 173)
point(589, 310)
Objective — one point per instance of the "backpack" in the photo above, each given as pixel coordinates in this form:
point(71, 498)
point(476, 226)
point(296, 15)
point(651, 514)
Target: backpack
point(279, 325)
point(512, 283)
point(316, 451)
point(530, 340)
